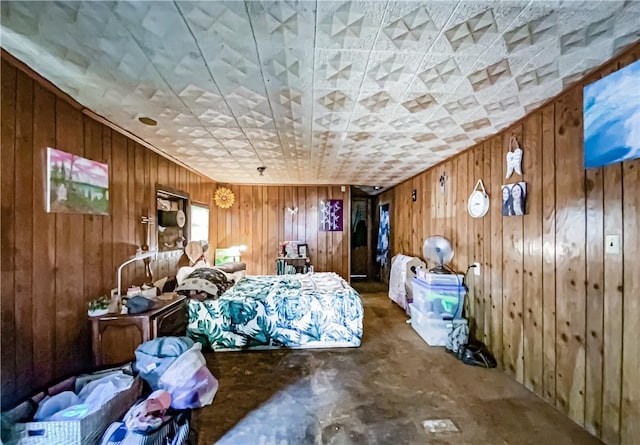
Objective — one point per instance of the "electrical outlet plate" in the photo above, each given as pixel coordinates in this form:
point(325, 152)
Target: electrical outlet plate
point(476, 269)
point(612, 244)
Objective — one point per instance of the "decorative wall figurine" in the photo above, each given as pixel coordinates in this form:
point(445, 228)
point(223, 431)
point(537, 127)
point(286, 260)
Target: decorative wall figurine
point(514, 158)
point(443, 182)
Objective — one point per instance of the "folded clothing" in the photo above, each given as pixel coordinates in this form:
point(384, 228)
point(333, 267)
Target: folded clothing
point(154, 357)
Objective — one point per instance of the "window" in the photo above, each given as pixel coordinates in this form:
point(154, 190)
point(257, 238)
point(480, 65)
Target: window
point(199, 222)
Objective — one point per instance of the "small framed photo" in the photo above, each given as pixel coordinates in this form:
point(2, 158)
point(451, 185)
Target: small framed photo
point(303, 250)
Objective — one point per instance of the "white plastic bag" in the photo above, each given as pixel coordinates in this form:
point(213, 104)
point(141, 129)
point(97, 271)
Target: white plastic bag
point(189, 381)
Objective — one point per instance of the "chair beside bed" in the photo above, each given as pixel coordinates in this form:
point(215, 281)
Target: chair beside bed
point(318, 310)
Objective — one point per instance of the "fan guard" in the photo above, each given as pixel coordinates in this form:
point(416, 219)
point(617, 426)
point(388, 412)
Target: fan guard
point(438, 250)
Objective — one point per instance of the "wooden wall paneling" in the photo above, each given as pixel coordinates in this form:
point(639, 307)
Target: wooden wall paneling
point(594, 199)
point(268, 251)
point(93, 253)
point(311, 221)
point(346, 240)
point(298, 233)
point(344, 252)
point(23, 205)
point(613, 307)
point(333, 238)
point(570, 257)
point(425, 203)
point(247, 220)
point(44, 242)
point(108, 269)
point(453, 192)
point(453, 195)
point(340, 238)
point(398, 221)
point(470, 248)
point(139, 207)
point(548, 254)
point(118, 196)
point(532, 265)
point(512, 232)
point(495, 211)
point(301, 201)
point(71, 323)
point(272, 220)
point(256, 224)
point(405, 220)
point(235, 217)
point(416, 217)
point(285, 202)
point(153, 211)
point(461, 179)
point(630, 408)
point(486, 248)
point(476, 239)
point(133, 271)
point(8, 252)
point(322, 236)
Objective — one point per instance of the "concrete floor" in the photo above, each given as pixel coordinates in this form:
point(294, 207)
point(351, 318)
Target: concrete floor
point(380, 393)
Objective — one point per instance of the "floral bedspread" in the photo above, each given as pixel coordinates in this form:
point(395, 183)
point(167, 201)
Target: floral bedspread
point(319, 310)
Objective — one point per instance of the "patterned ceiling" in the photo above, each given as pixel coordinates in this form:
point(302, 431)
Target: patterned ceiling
point(327, 92)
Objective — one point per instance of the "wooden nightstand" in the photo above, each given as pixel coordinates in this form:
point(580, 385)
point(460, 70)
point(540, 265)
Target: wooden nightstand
point(115, 337)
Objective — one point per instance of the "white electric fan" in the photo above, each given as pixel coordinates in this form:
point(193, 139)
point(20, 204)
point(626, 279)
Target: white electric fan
point(438, 249)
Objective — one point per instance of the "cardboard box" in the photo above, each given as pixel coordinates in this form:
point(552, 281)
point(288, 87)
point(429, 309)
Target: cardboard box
point(86, 431)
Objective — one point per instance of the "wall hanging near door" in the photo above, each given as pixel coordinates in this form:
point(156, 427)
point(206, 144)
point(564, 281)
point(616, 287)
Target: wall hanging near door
point(514, 158)
point(382, 249)
point(331, 215)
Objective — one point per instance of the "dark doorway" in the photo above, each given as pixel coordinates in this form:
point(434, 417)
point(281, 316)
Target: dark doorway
point(362, 236)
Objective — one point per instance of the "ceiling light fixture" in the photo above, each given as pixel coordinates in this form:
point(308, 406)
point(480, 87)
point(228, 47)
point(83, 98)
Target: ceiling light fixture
point(148, 121)
point(261, 170)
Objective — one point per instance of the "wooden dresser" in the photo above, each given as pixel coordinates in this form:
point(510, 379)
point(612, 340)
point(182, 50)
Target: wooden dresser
point(115, 337)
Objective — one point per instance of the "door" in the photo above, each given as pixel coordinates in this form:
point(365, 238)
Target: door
point(361, 225)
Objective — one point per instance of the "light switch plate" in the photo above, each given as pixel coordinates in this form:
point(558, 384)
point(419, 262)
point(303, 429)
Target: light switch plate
point(612, 244)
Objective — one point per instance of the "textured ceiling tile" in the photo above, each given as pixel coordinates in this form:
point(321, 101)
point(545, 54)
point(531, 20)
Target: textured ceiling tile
point(389, 70)
point(490, 75)
point(348, 24)
point(315, 94)
point(407, 26)
point(335, 100)
point(339, 68)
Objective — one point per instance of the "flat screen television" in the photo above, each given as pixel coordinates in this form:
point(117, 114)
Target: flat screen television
point(611, 111)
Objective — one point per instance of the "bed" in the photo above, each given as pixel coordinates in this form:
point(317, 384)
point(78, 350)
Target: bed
point(316, 310)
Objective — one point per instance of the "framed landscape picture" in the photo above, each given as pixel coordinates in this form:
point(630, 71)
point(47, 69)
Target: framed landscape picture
point(76, 184)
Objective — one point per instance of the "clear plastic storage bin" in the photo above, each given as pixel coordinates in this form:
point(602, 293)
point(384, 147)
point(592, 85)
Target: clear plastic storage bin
point(438, 301)
point(434, 331)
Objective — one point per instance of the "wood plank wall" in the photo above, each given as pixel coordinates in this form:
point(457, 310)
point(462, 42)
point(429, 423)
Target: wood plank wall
point(260, 220)
point(560, 314)
point(53, 264)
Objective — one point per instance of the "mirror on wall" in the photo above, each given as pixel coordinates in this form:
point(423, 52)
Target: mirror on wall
point(172, 213)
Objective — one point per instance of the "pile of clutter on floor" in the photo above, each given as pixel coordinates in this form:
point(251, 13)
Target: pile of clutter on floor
point(148, 401)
